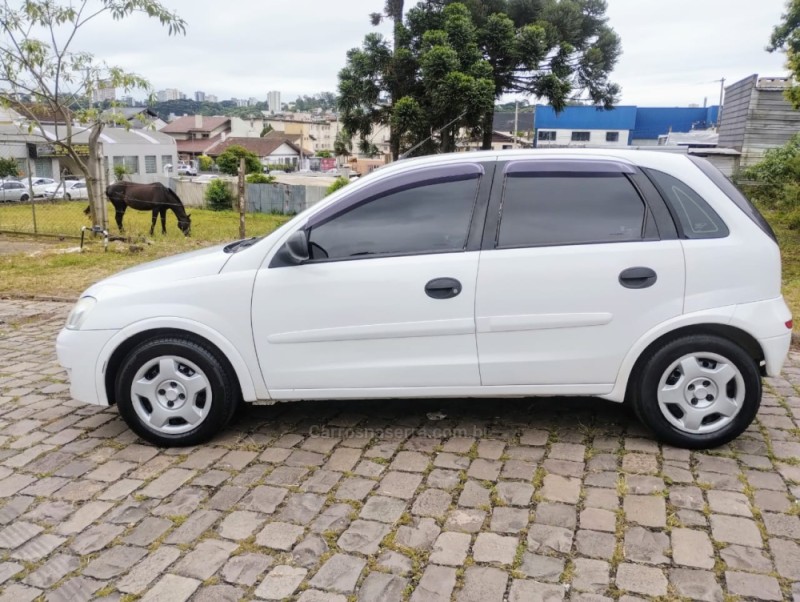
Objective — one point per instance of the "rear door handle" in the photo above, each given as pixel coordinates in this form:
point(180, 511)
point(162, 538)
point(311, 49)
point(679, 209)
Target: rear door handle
point(443, 288)
point(638, 277)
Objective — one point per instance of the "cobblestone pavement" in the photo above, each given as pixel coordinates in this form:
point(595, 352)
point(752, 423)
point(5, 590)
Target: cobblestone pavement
point(513, 500)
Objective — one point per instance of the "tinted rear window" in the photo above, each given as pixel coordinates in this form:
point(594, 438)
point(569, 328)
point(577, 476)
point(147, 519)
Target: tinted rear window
point(734, 194)
point(564, 210)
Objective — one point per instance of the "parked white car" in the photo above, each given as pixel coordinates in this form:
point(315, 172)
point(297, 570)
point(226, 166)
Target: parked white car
point(40, 185)
point(13, 191)
point(68, 189)
point(632, 276)
point(186, 170)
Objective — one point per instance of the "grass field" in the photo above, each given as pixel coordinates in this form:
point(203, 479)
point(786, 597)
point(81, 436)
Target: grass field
point(57, 270)
point(790, 255)
point(67, 217)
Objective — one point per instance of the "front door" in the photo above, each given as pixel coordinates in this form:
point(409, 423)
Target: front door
point(387, 300)
point(574, 273)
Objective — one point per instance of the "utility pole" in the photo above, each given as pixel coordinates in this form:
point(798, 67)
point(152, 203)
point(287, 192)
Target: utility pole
point(516, 123)
point(721, 96)
point(241, 197)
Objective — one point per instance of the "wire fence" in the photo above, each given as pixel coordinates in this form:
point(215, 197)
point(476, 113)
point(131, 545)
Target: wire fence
point(266, 207)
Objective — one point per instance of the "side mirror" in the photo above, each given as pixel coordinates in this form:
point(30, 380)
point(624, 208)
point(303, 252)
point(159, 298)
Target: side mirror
point(295, 250)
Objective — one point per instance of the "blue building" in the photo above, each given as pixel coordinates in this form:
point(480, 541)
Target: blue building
point(620, 126)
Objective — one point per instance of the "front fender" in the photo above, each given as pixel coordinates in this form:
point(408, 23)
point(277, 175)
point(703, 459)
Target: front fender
point(252, 388)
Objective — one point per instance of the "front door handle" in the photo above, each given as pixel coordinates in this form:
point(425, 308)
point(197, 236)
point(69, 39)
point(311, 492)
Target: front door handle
point(443, 288)
point(638, 277)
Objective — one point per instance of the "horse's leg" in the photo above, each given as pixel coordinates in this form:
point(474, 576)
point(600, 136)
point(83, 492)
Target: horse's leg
point(118, 214)
point(164, 221)
point(153, 223)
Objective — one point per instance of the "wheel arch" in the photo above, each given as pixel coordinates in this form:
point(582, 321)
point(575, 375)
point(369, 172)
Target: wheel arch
point(736, 335)
point(114, 361)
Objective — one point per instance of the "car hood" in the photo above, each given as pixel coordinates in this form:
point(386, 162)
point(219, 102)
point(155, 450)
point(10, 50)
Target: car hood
point(156, 274)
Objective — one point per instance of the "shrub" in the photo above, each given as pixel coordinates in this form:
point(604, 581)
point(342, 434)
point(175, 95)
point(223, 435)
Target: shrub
point(326, 154)
point(259, 178)
point(218, 196)
point(279, 166)
point(205, 162)
point(120, 171)
point(228, 162)
point(338, 183)
point(777, 176)
point(8, 167)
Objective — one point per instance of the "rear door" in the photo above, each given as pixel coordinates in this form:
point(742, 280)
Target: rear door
point(577, 265)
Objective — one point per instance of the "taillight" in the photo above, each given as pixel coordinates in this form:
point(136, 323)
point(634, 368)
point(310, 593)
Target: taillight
point(789, 324)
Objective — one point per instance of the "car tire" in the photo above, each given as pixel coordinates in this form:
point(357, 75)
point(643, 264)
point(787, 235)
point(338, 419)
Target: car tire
point(697, 391)
point(68, 197)
point(24, 198)
point(174, 391)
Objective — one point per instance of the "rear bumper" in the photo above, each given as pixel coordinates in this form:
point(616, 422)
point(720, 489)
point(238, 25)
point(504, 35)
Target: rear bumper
point(766, 321)
point(775, 351)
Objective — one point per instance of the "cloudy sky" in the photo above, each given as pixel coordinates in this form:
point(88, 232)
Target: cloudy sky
point(673, 50)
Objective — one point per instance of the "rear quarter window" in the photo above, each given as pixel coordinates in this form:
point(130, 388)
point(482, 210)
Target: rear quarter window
point(734, 194)
point(693, 215)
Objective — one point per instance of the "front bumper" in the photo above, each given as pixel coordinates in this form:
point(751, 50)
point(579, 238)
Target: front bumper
point(79, 352)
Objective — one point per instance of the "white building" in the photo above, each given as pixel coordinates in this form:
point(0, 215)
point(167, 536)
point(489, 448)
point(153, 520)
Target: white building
point(199, 96)
point(274, 102)
point(168, 94)
point(140, 151)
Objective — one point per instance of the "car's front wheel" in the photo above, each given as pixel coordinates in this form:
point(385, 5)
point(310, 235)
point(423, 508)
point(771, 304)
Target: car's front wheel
point(174, 391)
point(698, 391)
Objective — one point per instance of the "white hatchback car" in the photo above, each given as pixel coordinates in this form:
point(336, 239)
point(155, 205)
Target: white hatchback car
point(642, 277)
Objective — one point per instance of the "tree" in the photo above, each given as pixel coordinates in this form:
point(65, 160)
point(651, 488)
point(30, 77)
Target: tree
point(324, 153)
point(786, 38)
point(44, 79)
point(559, 50)
point(266, 130)
point(444, 82)
point(205, 163)
point(8, 167)
point(228, 161)
point(338, 183)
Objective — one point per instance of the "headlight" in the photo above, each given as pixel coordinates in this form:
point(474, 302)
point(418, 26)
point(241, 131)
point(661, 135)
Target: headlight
point(78, 314)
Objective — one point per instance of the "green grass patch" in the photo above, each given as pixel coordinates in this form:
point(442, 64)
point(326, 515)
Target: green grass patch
point(58, 270)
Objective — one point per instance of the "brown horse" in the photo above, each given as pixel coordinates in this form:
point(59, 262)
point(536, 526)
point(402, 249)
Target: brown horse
point(153, 197)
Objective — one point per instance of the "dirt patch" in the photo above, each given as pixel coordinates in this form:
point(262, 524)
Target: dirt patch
point(10, 245)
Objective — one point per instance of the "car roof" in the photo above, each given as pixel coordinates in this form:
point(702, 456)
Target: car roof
point(657, 159)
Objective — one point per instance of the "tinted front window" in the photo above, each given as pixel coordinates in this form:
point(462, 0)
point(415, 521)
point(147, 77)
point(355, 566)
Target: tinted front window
point(427, 218)
point(574, 209)
point(697, 219)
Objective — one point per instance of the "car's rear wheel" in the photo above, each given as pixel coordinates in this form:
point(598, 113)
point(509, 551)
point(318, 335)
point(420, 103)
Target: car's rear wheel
point(68, 197)
point(698, 391)
point(174, 391)
point(24, 198)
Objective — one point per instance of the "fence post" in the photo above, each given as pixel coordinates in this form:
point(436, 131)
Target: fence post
point(30, 191)
point(241, 198)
